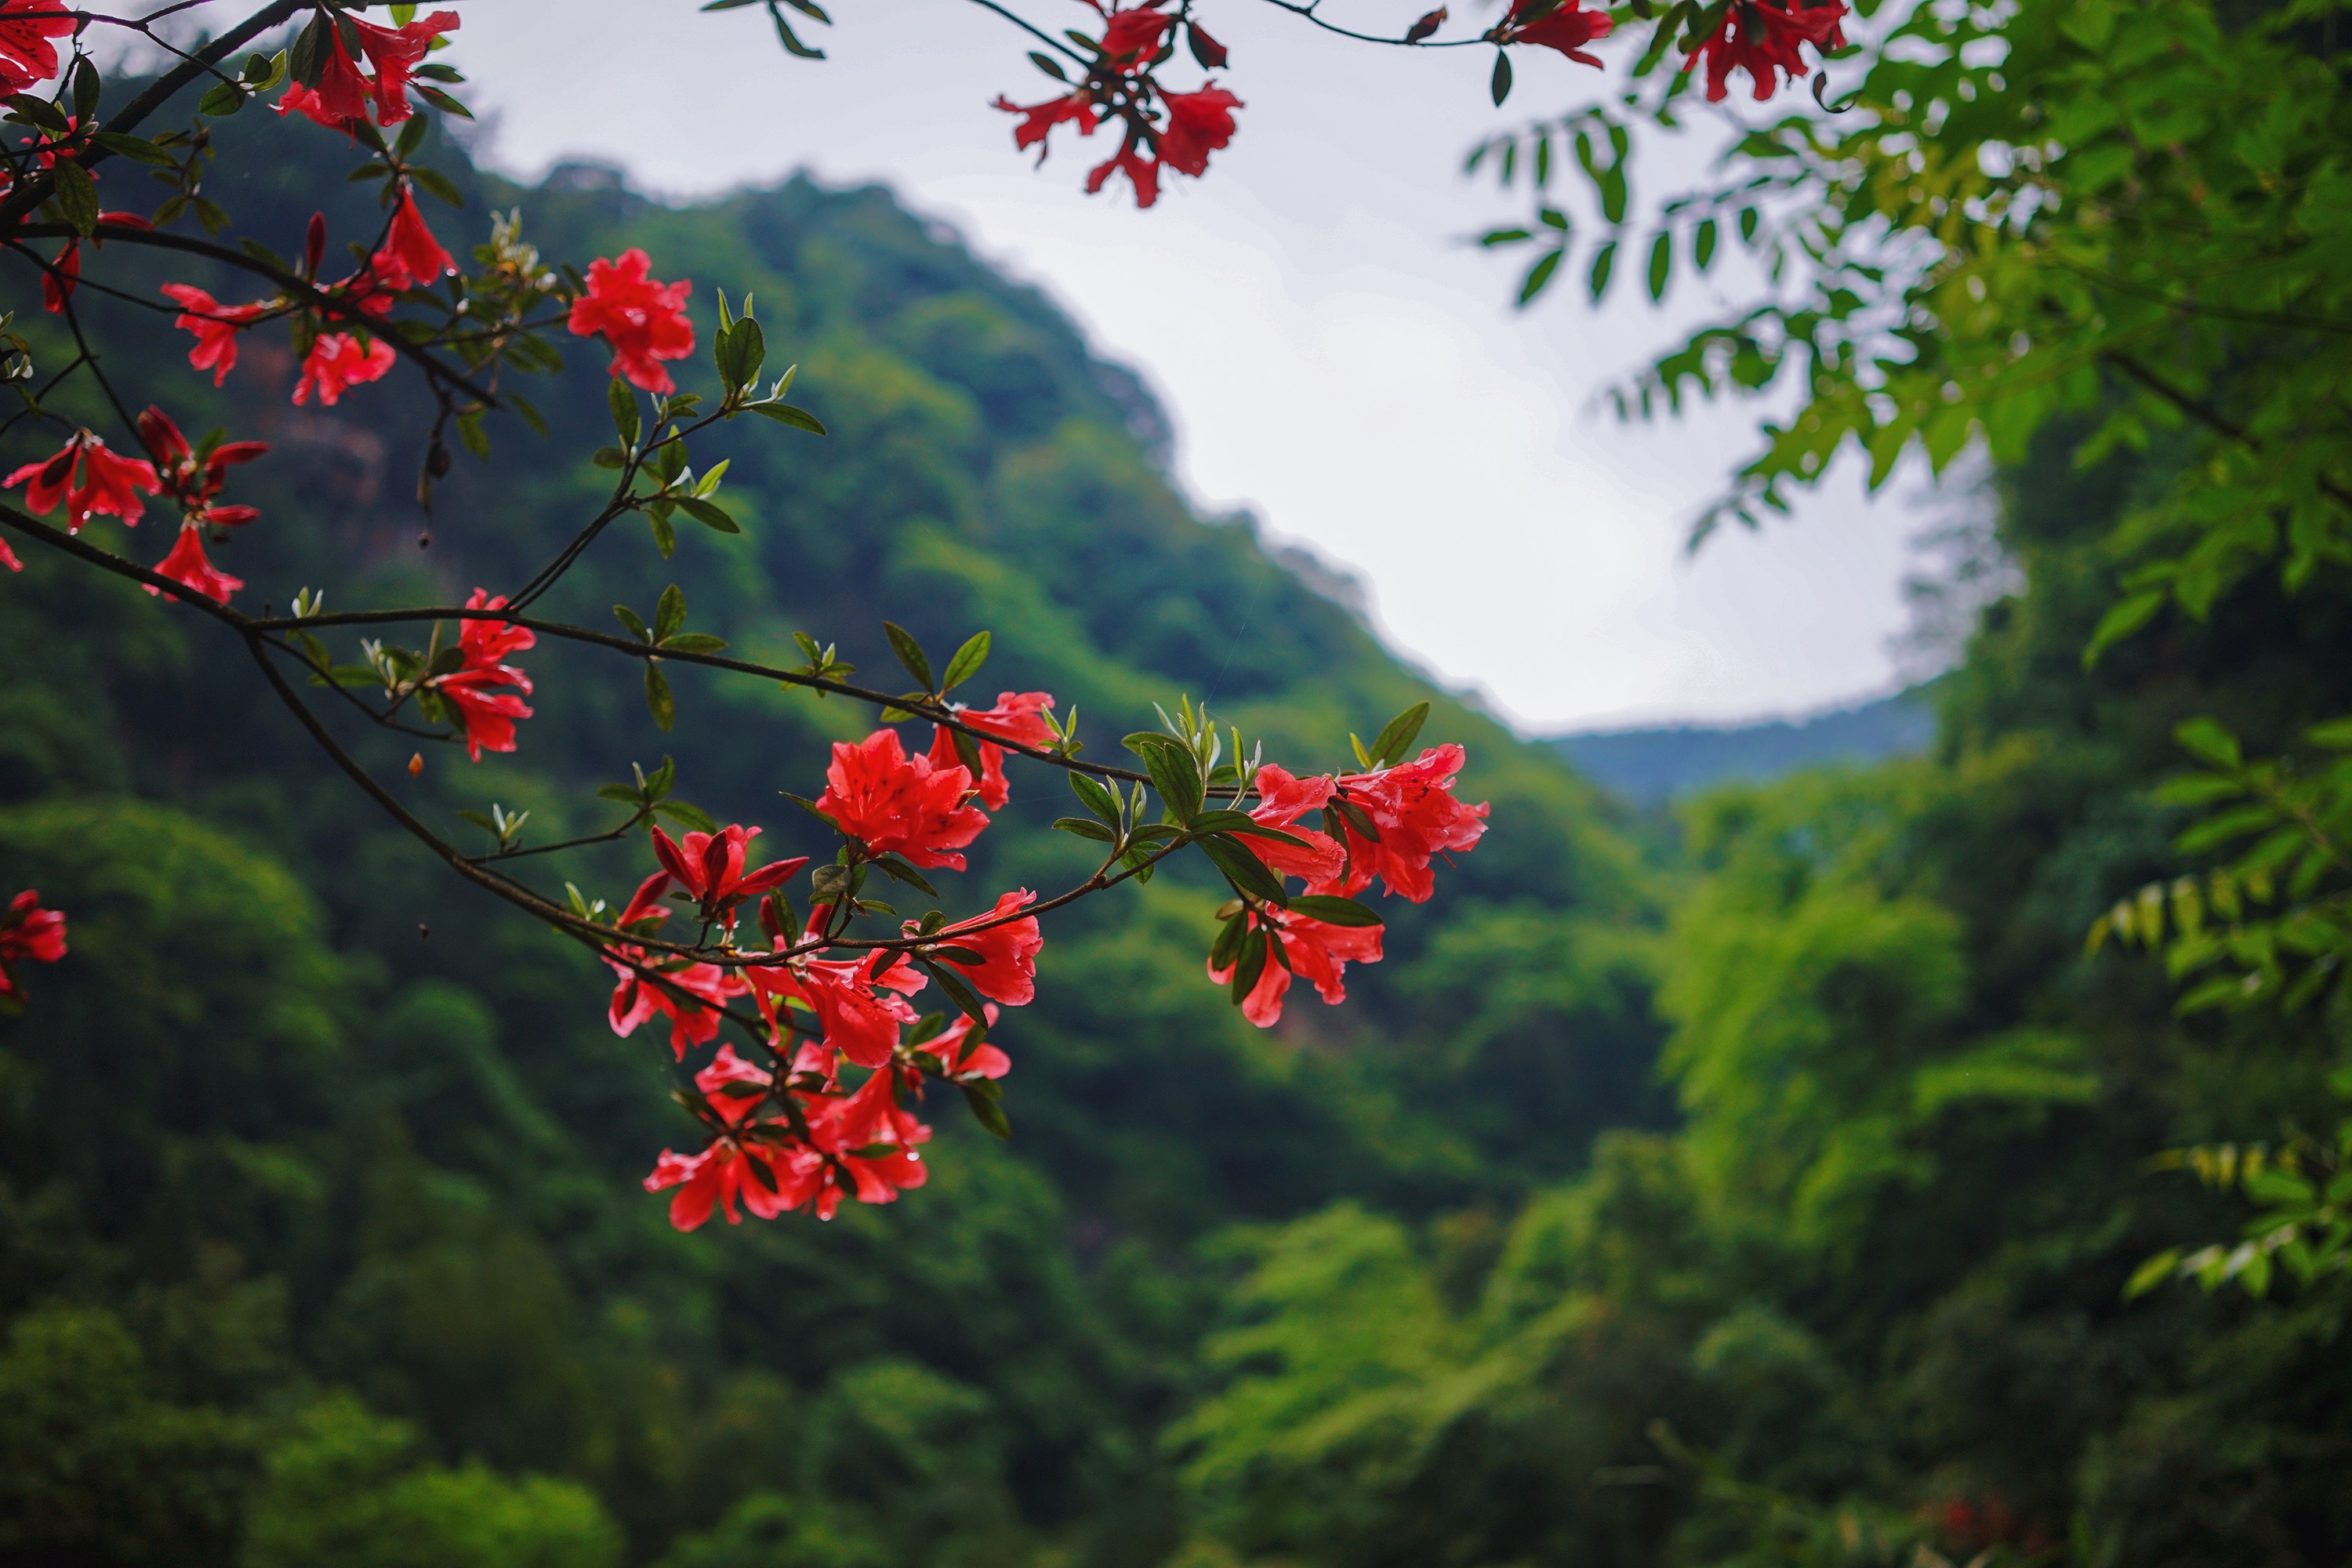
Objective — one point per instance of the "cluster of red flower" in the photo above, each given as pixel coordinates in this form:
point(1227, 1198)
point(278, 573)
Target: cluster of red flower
point(1392, 822)
point(1181, 134)
point(90, 480)
point(26, 931)
point(808, 1140)
point(798, 1137)
point(1762, 39)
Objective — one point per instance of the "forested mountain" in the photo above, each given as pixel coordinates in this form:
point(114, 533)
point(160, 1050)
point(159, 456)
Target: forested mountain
point(1764, 1197)
point(1666, 762)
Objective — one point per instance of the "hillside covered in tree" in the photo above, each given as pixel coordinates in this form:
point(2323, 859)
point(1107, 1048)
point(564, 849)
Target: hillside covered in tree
point(1763, 1193)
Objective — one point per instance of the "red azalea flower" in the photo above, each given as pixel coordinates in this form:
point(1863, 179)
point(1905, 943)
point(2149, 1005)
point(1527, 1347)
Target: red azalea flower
point(336, 363)
point(898, 804)
point(193, 482)
point(26, 56)
point(1282, 801)
point(1016, 718)
point(1318, 953)
point(644, 320)
point(216, 325)
point(1762, 39)
point(8, 558)
point(689, 995)
point(26, 931)
point(489, 715)
point(1007, 969)
point(343, 94)
point(1413, 807)
point(693, 1015)
point(733, 1086)
point(727, 1171)
point(90, 481)
point(710, 866)
point(1142, 173)
point(1039, 119)
point(957, 1058)
point(1131, 38)
point(858, 1012)
point(416, 257)
point(872, 1141)
point(186, 565)
point(1198, 124)
point(486, 643)
point(57, 282)
point(1567, 29)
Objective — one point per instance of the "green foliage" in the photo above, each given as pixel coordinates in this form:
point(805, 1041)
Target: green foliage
point(344, 1486)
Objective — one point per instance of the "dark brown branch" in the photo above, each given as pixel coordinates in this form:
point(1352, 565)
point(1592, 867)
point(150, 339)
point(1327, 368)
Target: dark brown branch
point(635, 649)
point(301, 290)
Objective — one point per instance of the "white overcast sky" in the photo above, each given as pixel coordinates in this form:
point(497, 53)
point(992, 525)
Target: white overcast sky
point(1336, 359)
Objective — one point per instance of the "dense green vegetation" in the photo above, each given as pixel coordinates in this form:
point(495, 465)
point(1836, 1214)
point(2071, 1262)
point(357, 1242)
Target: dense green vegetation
point(322, 1234)
point(1767, 1194)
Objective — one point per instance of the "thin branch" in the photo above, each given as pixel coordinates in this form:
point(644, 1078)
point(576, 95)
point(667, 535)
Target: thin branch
point(300, 288)
point(629, 646)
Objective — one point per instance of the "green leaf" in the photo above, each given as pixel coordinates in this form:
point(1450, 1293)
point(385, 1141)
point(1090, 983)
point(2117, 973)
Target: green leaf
point(1703, 244)
point(145, 151)
point(2206, 740)
point(707, 514)
point(1245, 870)
point(1499, 84)
point(221, 99)
point(670, 615)
point(444, 103)
point(631, 623)
point(1662, 263)
point(1228, 945)
point(1236, 822)
point(1397, 736)
point(658, 700)
point(957, 990)
point(1603, 261)
point(1047, 64)
point(981, 1096)
point(2121, 620)
point(694, 642)
point(785, 414)
point(1085, 828)
point(966, 662)
point(307, 58)
point(910, 653)
point(897, 870)
point(2151, 1274)
point(1252, 967)
point(1540, 276)
point(1173, 772)
point(624, 404)
point(1095, 798)
point(739, 351)
point(76, 195)
point(1332, 910)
